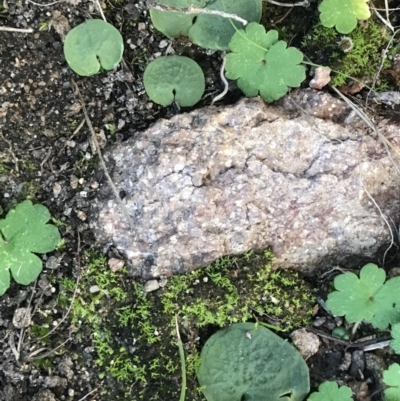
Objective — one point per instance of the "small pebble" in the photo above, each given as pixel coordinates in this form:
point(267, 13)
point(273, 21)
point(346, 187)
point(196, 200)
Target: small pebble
point(307, 343)
point(151, 285)
point(21, 318)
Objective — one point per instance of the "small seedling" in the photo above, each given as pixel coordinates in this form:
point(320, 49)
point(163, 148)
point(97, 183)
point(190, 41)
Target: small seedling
point(23, 233)
point(343, 14)
point(391, 378)
point(205, 30)
point(247, 362)
point(172, 78)
point(92, 45)
point(341, 332)
point(330, 391)
point(366, 298)
point(263, 64)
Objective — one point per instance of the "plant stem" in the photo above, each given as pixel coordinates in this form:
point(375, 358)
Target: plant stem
point(183, 364)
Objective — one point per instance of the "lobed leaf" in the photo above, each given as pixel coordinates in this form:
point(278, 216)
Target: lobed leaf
point(91, 45)
point(330, 391)
point(391, 378)
point(366, 298)
point(262, 64)
point(24, 231)
point(343, 14)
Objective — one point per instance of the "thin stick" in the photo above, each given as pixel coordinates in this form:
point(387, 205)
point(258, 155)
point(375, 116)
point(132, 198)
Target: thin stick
point(386, 22)
point(101, 10)
point(183, 364)
point(21, 30)
point(45, 5)
point(102, 162)
point(195, 10)
point(34, 358)
point(386, 144)
point(385, 220)
point(384, 57)
point(73, 134)
point(87, 395)
point(304, 3)
point(226, 85)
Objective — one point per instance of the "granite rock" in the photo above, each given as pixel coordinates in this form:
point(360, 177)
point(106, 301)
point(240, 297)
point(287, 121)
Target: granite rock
point(220, 181)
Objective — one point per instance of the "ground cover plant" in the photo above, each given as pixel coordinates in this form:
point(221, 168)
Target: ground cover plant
point(270, 67)
point(228, 291)
point(93, 45)
point(23, 233)
point(110, 320)
point(246, 361)
point(367, 298)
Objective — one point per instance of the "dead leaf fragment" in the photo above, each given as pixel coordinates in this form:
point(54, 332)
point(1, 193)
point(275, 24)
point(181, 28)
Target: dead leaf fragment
point(322, 77)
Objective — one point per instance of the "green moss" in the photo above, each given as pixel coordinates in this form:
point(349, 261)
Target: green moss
point(134, 333)
point(325, 46)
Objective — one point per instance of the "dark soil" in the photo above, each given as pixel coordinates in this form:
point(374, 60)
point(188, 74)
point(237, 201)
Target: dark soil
point(46, 158)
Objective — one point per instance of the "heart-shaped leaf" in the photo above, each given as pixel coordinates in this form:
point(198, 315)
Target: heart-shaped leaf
point(250, 362)
point(92, 45)
point(172, 78)
point(205, 30)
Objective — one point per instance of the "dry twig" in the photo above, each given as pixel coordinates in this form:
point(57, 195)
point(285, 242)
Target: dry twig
point(102, 162)
point(195, 10)
point(19, 30)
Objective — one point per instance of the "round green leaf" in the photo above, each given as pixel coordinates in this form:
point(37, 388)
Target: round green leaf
point(205, 30)
point(92, 45)
point(172, 78)
point(248, 362)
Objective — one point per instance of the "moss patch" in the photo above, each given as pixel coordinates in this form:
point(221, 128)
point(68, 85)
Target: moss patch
point(134, 333)
point(360, 60)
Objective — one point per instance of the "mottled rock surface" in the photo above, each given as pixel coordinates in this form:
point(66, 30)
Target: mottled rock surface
point(226, 180)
